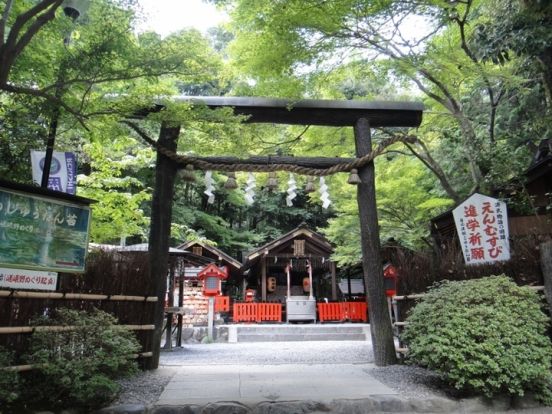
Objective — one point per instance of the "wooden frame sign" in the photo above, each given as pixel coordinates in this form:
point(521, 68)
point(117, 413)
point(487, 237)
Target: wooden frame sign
point(482, 227)
point(42, 232)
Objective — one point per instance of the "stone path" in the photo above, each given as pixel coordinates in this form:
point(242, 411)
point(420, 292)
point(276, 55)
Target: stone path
point(253, 384)
point(291, 378)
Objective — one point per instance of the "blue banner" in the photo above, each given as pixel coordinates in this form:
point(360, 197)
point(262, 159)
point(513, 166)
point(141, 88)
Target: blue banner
point(63, 170)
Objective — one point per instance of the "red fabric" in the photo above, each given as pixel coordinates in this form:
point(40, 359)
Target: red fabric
point(391, 274)
point(390, 271)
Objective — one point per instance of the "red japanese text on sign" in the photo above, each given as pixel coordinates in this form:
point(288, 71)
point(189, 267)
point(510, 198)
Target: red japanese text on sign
point(481, 223)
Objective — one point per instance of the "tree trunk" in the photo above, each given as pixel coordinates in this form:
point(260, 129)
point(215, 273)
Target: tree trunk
point(546, 266)
point(469, 141)
point(545, 59)
point(160, 230)
point(380, 322)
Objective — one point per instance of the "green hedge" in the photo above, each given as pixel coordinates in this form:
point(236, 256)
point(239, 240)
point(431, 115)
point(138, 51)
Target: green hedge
point(9, 380)
point(78, 368)
point(483, 336)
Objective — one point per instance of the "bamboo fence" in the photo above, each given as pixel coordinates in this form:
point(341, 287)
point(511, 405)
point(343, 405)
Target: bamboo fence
point(116, 284)
point(29, 367)
point(74, 296)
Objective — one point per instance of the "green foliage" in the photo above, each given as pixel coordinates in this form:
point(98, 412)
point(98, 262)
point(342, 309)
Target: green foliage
point(479, 116)
point(9, 380)
point(78, 366)
point(114, 181)
point(485, 335)
point(406, 201)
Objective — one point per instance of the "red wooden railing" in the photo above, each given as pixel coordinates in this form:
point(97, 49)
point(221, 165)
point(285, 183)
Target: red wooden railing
point(222, 303)
point(331, 311)
point(342, 311)
point(257, 312)
point(356, 311)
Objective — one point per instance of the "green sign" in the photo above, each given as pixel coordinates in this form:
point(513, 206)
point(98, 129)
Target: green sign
point(42, 233)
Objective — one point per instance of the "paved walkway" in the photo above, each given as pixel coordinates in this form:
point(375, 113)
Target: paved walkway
point(291, 378)
point(253, 384)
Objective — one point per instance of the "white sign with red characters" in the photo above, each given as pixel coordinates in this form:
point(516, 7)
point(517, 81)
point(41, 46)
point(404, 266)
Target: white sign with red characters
point(27, 279)
point(482, 226)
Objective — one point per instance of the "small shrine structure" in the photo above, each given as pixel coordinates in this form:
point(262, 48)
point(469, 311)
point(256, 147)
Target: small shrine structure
point(269, 266)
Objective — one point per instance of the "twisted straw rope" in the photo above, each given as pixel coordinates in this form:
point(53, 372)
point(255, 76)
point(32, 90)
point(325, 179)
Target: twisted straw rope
point(184, 160)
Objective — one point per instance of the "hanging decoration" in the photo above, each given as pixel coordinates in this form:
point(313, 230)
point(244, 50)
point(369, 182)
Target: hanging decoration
point(250, 189)
point(324, 195)
point(209, 187)
point(292, 186)
point(188, 173)
point(272, 183)
point(309, 188)
point(231, 184)
point(354, 178)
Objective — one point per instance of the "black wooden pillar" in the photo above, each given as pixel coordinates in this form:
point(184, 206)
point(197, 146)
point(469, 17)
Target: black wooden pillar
point(380, 323)
point(160, 230)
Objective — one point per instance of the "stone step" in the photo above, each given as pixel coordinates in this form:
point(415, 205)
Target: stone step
point(299, 329)
point(301, 337)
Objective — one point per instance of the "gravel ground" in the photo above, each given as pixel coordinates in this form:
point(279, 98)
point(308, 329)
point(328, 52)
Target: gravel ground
point(144, 388)
point(274, 353)
point(410, 381)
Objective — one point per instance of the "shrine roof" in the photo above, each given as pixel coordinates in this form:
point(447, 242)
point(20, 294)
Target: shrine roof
point(222, 256)
point(315, 239)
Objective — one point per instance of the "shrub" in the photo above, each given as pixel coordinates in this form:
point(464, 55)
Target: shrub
point(78, 366)
point(9, 380)
point(485, 336)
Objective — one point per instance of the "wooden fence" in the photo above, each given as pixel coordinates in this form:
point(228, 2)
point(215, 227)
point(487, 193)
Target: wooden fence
point(272, 312)
point(257, 312)
point(342, 311)
point(115, 284)
point(222, 303)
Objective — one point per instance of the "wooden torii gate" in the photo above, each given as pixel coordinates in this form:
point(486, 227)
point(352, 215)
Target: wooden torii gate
point(358, 114)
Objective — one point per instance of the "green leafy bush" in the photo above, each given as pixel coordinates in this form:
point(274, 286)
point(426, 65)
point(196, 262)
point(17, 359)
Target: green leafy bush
point(485, 336)
point(78, 366)
point(9, 380)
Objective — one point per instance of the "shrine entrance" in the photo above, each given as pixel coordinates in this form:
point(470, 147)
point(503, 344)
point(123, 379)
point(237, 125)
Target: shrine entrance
point(357, 114)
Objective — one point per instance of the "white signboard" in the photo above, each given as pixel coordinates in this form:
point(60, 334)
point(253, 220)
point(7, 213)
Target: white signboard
point(482, 226)
point(63, 170)
point(27, 279)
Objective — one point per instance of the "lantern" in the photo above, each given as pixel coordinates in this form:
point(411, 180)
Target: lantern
point(271, 284)
point(212, 277)
point(249, 295)
point(75, 8)
point(306, 285)
point(390, 279)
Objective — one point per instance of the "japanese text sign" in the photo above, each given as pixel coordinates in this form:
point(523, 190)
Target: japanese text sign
point(42, 233)
point(27, 279)
point(482, 226)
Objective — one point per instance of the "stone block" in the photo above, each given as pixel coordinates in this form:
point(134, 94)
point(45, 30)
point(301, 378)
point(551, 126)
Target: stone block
point(123, 409)
point(225, 408)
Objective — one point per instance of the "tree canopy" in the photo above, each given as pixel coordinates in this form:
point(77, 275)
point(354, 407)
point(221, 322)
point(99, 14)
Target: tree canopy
point(481, 67)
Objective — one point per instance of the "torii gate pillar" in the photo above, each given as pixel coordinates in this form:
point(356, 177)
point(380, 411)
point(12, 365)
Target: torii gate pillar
point(380, 323)
point(160, 231)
